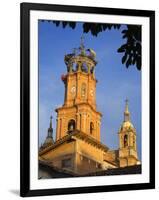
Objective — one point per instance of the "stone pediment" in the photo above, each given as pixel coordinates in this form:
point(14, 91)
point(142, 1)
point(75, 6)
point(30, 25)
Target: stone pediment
point(76, 134)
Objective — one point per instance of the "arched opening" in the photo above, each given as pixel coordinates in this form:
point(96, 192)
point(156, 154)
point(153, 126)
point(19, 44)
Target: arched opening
point(71, 125)
point(84, 68)
point(74, 67)
point(91, 128)
point(134, 143)
point(92, 69)
point(125, 140)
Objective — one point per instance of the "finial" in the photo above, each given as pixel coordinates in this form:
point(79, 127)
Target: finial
point(126, 106)
point(50, 129)
point(82, 46)
point(82, 41)
point(74, 51)
point(126, 100)
point(126, 112)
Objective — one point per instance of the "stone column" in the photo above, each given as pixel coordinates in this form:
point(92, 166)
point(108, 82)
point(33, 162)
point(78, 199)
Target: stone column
point(98, 130)
point(89, 68)
point(120, 141)
point(79, 66)
point(78, 89)
point(93, 72)
point(88, 124)
point(83, 122)
point(57, 129)
point(60, 128)
point(63, 127)
point(70, 67)
point(78, 121)
point(135, 142)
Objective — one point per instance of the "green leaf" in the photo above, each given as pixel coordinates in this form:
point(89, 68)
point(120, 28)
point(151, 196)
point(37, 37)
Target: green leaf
point(124, 58)
point(122, 48)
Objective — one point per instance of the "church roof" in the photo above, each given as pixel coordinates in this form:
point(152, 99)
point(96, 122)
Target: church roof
point(71, 136)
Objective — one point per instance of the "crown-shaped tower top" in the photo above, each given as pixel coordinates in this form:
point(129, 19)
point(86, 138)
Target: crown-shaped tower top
point(81, 59)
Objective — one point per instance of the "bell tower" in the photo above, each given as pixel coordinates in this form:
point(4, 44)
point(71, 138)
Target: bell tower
point(49, 139)
point(127, 141)
point(79, 109)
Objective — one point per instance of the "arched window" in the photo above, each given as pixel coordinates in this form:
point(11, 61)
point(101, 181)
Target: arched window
point(91, 127)
point(71, 125)
point(125, 140)
point(134, 143)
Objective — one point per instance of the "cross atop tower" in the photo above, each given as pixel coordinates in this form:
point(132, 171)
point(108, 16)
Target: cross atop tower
point(126, 106)
point(82, 41)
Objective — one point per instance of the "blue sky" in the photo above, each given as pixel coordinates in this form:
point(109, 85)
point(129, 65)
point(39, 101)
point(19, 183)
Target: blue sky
point(115, 81)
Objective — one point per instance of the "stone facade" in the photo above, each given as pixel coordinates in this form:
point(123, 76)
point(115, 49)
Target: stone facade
point(78, 148)
point(127, 142)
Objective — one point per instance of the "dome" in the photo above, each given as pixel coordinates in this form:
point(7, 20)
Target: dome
point(126, 125)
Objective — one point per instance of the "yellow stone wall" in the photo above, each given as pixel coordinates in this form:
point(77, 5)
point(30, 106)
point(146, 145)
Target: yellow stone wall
point(89, 158)
point(89, 150)
point(110, 156)
point(128, 161)
point(64, 151)
point(80, 108)
point(85, 158)
point(127, 155)
point(75, 96)
point(83, 115)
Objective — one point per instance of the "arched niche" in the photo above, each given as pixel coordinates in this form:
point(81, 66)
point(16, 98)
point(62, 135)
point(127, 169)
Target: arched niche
point(125, 140)
point(91, 128)
point(71, 125)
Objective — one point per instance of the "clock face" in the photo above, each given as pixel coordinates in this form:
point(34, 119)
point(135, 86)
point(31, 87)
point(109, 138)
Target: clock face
point(91, 92)
point(73, 89)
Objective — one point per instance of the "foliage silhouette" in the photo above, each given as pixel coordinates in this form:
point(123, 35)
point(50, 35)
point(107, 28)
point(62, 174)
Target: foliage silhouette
point(131, 50)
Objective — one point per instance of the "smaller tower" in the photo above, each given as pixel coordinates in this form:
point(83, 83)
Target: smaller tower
point(127, 141)
point(49, 139)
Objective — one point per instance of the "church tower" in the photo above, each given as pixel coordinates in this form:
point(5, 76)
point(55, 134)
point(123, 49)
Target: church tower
point(127, 141)
point(78, 149)
point(49, 139)
point(79, 110)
